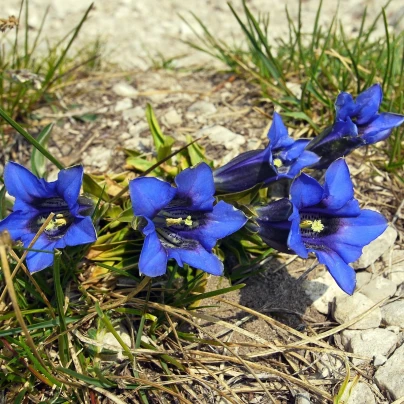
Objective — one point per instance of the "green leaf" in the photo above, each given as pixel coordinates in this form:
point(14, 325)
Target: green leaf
point(90, 186)
point(38, 163)
point(87, 379)
point(162, 142)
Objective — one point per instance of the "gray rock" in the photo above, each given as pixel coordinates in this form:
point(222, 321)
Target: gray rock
point(395, 263)
point(362, 279)
point(302, 397)
point(322, 291)
point(122, 105)
point(134, 114)
point(348, 307)
point(390, 376)
point(393, 313)
point(379, 360)
point(221, 135)
point(330, 365)
point(378, 289)
point(202, 108)
point(124, 89)
point(359, 394)
point(376, 248)
point(98, 157)
point(172, 118)
point(369, 343)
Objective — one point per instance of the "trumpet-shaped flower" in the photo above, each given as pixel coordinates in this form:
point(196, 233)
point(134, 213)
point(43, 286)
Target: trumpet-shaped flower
point(181, 222)
point(325, 220)
point(282, 158)
point(357, 123)
point(272, 223)
point(35, 200)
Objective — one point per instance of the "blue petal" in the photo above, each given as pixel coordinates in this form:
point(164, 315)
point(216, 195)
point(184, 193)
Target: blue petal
point(198, 258)
point(81, 231)
point(68, 185)
point(306, 159)
point(196, 184)
point(17, 224)
point(37, 261)
point(25, 186)
point(368, 104)
point(381, 127)
point(278, 134)
point(338, 185)
point(293, 151)
point(342, 273)
point(245, 171)
point(344, 106)
point(356, 232)
point(224, 220)
point(306, 191)
point(150, 195)
point(153, 258)
point(295, 241)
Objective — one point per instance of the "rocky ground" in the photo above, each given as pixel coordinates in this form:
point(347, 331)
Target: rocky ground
point(225, 108)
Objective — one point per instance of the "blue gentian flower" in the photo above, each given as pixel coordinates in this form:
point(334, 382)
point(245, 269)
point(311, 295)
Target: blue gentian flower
point(328, 221)
point(272, 223)
point(325, 220)
point(282, 158)
point(35, 200)
point(182, 222)
point(357, 123)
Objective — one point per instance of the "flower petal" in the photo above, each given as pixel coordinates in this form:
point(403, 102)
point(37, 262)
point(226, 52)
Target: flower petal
point(224, 220)
point(306, 159)
point(37, 261)
point(196, 184)
point(153, 258)
point(295, 241)
point(198, 258)
point(278, 133)
point(25, 186)
point(244, 172)
point(150, 195)
point(306, 191)
point(344, 106)
point(381, 127)
point(368, 104)
point(338, 185)
point(18, 224)
point(68, 185)
point(356, 232)
point(81, 231)
point(342, 273)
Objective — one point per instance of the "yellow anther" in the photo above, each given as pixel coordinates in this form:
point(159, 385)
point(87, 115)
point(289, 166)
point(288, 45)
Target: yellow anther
point(188, 221)
point(171, 221)
point(314, 225)
point(317, 226)
point(278, 163)
point(55, 223)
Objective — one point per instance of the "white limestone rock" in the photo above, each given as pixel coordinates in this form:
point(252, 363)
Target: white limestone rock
point(348, 307)
point(122, 105)
point(220, 135)
point(369, 343)
point(376, 248)
point(361, 393)
point(378, 289)
point(390, 376)
point(202, 108)
point(124, 89)
point(322, 292)
point(393, 314)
